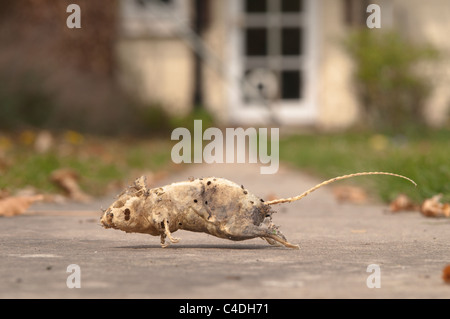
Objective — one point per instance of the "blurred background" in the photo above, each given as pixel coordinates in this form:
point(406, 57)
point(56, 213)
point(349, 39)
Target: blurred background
point(100, 101)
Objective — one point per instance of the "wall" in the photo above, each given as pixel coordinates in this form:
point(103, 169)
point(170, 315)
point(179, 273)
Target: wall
point(154, 62)
point(420, 21)
point(158, 70)
point(337, 100)
point(214, 81)
point(428, 22)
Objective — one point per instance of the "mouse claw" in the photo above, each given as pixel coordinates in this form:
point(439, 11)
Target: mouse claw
point(168, 233)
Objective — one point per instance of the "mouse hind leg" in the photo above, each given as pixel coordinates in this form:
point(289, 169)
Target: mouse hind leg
point(275, 237)
point(271, 234)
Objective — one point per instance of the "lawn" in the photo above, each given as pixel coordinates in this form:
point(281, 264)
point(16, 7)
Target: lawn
point(99, 161)
point(423, 156)
point(102, 162)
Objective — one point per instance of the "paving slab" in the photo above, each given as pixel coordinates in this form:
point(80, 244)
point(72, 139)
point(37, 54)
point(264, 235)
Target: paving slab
point(338, 243)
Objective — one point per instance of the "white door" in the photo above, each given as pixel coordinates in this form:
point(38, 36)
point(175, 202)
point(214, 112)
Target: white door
point(272, 61)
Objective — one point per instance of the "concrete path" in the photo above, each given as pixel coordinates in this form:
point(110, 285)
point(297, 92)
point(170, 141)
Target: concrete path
point(337, 242)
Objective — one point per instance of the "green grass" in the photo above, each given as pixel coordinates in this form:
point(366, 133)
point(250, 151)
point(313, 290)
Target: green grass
point(424, 157)
point(35, 170)
point(98, 161)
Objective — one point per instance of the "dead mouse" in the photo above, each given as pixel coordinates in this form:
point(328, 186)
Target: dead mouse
point(215, 206)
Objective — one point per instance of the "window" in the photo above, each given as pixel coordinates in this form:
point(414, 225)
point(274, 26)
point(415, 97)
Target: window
point(291, 6)
point(291, 41)
point(252, 6)
point(291, 86)
point(256, 44)
point(273, 40)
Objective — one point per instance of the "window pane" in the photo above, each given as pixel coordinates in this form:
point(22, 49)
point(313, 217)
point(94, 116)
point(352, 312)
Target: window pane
point(291, 5)
point(291, 85)
point(256, 41)
point(254, 6)
point(291, 41)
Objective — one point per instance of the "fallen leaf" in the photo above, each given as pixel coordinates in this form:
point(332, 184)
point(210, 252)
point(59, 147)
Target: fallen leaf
point(4, 193)
point(446, 274)
point(350, 194)
point(402, 203)
point(67, 180)
point(17, 205)
point(432, 207)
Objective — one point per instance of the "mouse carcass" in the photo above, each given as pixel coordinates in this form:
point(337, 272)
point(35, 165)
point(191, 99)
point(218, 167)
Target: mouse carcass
point(212, 205)
point(215, 206)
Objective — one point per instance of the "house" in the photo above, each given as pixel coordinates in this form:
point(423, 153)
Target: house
point(254, 62)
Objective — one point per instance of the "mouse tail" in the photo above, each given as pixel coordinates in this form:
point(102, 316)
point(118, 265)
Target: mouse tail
point(293, 199)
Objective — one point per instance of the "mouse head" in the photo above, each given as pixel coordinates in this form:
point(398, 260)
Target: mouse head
point(127, 212)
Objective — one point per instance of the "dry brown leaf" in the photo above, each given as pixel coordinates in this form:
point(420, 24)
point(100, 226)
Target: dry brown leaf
point(446, 209)
point(446, 274)
point(67, 180)
point(4, 193)
point(17, 205)
point(402, 203)
point(350, 194)
point(432, 207)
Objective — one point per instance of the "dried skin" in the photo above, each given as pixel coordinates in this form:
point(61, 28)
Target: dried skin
point(215, 206)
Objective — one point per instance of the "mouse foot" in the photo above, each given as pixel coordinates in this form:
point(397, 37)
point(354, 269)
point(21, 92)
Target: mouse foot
point(169, 234)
